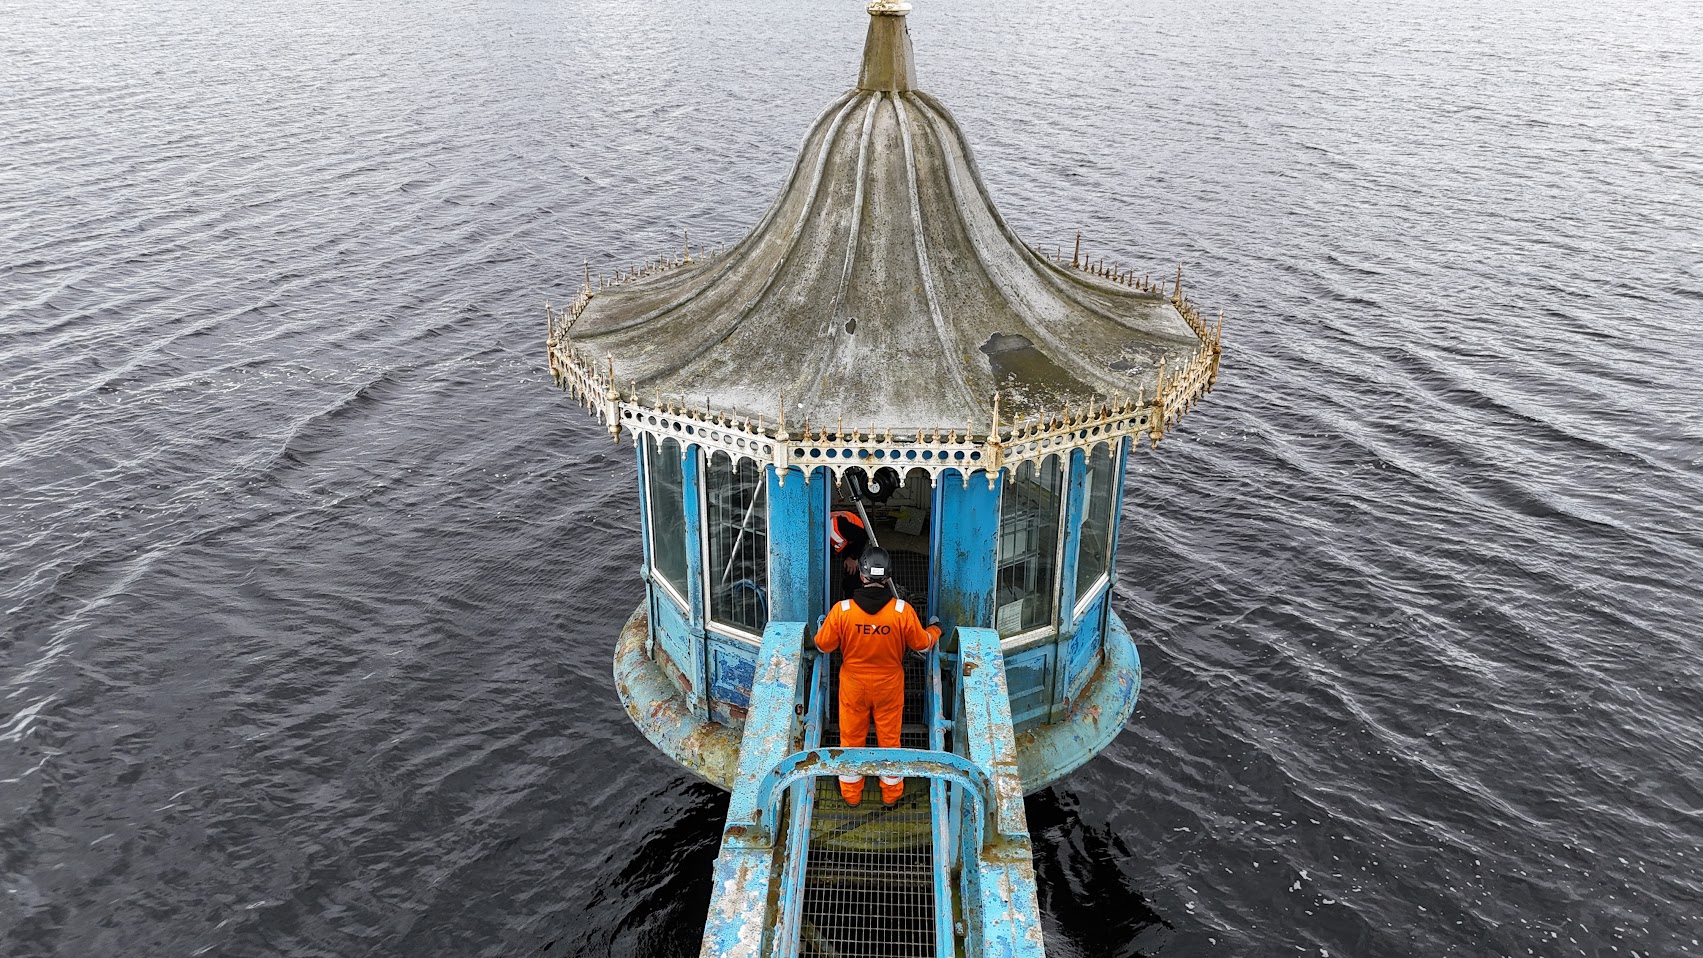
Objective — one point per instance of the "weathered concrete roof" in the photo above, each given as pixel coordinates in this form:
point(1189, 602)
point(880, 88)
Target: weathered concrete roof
point(882, 289)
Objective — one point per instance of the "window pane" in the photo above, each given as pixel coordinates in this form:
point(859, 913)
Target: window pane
point(667, 504)
point(1099, 512)
point(1027, 574)
point(738, 522)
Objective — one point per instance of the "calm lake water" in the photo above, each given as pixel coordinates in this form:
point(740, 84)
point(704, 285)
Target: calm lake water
point(309, 582)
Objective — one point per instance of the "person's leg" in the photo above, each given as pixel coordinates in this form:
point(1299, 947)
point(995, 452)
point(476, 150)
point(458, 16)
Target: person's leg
point(854, 732)
point(889, 710)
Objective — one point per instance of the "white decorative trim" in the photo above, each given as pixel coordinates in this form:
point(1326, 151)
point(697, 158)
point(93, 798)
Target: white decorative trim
point(1088, 598)
point(993, 447)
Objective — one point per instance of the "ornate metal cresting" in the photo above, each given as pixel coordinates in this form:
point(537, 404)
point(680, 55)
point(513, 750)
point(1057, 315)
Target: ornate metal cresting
point(935, 448)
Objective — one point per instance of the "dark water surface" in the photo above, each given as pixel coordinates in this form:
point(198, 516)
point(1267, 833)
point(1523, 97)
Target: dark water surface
point(310, 582)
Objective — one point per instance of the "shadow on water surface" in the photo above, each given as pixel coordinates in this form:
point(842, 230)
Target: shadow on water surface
point(655, 902)
point(1089, 905)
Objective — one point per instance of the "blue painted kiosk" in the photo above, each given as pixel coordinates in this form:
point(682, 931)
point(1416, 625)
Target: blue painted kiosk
point(881, 327)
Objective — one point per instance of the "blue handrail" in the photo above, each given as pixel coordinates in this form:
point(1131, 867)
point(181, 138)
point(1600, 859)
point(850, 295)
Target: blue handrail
point(892, 762)
point(803, 809)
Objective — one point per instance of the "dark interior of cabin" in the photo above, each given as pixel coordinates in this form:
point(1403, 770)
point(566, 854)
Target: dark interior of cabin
point(900, 515)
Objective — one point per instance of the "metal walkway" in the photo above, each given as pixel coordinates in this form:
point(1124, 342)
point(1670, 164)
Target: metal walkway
point(946, 872)
point(869, 887)
point(869, 878)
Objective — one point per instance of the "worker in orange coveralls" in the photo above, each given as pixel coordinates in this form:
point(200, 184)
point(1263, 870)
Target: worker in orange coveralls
point(848, 537)
point(872, 630)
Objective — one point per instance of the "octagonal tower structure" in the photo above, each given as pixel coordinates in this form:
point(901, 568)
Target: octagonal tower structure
point(882, 317)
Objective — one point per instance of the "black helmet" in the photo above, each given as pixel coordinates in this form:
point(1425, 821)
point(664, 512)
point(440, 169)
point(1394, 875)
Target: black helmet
point(875, 564)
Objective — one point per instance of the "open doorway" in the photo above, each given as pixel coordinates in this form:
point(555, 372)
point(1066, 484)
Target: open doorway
point(900, 515)
point(897, 513)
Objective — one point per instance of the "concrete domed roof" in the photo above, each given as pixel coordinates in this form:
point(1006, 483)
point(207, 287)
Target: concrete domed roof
point(883, 288)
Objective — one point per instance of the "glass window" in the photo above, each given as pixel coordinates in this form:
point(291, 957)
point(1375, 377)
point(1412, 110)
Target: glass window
point(667, 505)
point(738, 521)
point(1026, 579)
point(1099, 516)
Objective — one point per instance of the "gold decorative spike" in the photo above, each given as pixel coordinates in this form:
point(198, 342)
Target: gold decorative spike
point(1076, 257)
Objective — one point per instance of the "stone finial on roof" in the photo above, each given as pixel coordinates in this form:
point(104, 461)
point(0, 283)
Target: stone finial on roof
point(888, 63)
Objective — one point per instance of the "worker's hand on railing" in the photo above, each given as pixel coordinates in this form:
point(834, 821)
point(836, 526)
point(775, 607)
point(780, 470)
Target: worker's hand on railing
point(948, 643)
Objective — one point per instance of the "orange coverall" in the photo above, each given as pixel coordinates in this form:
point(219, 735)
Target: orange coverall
point(872, 675)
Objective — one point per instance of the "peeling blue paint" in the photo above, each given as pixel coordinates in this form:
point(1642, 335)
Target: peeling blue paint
point(793, 558)
point(733, 670)
point(968, 550)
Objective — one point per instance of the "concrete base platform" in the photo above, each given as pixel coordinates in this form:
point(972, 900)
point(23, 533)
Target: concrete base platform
point(710, 750)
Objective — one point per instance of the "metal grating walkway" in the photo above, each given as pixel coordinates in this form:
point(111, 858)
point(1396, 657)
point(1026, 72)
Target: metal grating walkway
point(869, 872)
point(869, 881)
point(945, 872)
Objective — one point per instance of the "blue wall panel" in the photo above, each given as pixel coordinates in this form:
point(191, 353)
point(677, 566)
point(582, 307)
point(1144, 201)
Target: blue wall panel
point(692, 471)
point(644, 510)
point(672, 632)
point(793, 535)
point(820, 497)
point(1028, 677)
point(1084, 642)
point(733, 667)
point(695, 666)
point(968, 542)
